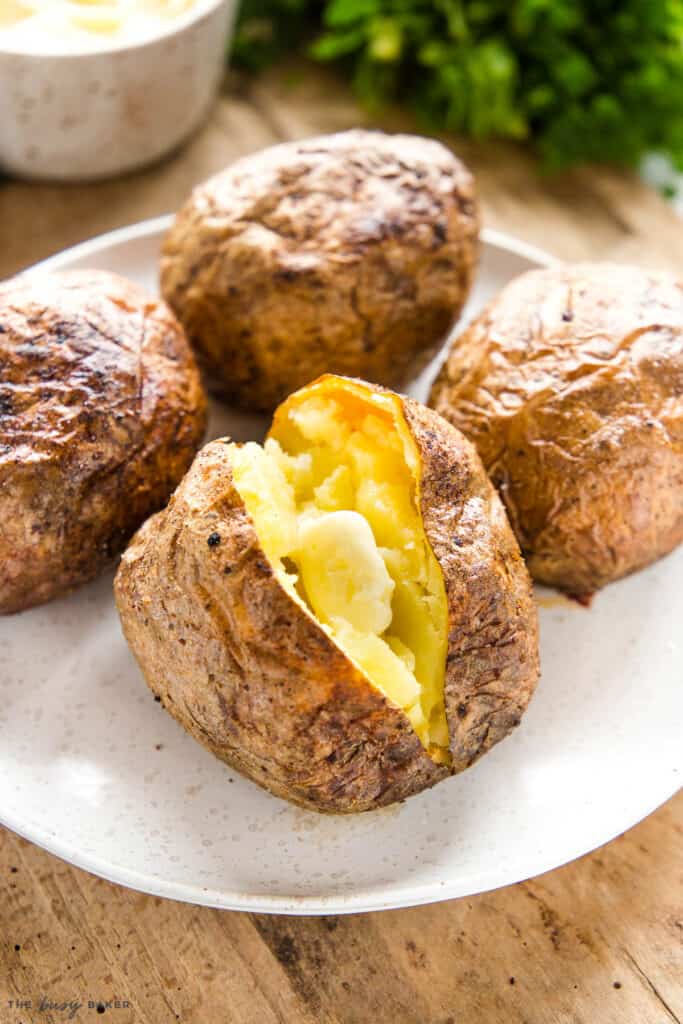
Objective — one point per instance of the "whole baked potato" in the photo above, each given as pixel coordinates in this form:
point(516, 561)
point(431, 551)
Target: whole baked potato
point(570, 384)
point(350, 253)
point(342, 614)
point(101, 412)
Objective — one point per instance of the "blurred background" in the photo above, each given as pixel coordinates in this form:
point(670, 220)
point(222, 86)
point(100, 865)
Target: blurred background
point(578, 81)
point(568, 100)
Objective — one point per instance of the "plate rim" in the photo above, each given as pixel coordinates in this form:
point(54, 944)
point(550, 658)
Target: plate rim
point(365, 901)
point(160, 224)
point(337, 905)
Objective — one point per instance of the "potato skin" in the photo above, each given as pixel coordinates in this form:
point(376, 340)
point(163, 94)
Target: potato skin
point(492, 663)
point(251, 675)
point(101, 412)
point(571, 386)
point(350, 253)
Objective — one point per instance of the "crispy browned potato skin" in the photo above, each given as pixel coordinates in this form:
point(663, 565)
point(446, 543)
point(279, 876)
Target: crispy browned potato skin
point(101, 412)
point(571, 386)
point(492, 662)
point(350, 253)
point(251, 675)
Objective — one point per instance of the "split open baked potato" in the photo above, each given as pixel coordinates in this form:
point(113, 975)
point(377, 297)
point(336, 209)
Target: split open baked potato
point(570, 384)
point(343, 613)
point(350, 253)
point(101, 413)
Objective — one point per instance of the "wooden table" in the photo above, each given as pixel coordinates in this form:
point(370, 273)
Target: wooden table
point(598, 941)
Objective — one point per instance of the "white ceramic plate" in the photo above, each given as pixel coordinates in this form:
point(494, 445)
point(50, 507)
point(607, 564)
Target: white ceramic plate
point(95, 771)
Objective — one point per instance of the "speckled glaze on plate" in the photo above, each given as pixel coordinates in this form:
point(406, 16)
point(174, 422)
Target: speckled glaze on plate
point(95, 771)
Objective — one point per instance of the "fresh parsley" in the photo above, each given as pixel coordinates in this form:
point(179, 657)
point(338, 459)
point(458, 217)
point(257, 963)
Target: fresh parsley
point(581, 79)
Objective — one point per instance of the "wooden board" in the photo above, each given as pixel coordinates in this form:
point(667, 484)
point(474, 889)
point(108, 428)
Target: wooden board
point(596, 942)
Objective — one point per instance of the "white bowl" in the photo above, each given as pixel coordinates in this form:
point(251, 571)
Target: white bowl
point(92, 114)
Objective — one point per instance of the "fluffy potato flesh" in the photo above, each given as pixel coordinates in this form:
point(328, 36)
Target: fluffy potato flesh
point(334, 495)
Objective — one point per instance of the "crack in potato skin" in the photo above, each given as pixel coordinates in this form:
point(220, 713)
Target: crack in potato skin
point(350, 253)
point(101, 412)
point(252, 675)
point(492, 663)
point(570, 385)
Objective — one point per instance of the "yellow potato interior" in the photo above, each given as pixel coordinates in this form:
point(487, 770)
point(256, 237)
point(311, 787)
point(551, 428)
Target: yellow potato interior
point(11, 11)
point(334, 496)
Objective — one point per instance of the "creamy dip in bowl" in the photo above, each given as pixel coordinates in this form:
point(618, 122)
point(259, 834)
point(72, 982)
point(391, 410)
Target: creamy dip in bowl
point(64, 26)
point(94, 88)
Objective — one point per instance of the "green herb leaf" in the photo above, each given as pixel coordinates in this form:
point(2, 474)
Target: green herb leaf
point(581, 79)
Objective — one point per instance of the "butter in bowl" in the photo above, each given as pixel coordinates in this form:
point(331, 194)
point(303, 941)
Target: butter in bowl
point(94, 88)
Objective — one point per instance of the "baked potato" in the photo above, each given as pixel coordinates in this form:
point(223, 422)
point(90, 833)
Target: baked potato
point(350, 253)
point(570, 384)
point(342, 614)
point(101, 412)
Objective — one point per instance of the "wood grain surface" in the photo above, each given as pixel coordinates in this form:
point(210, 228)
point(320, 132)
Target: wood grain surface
point(595, 942)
